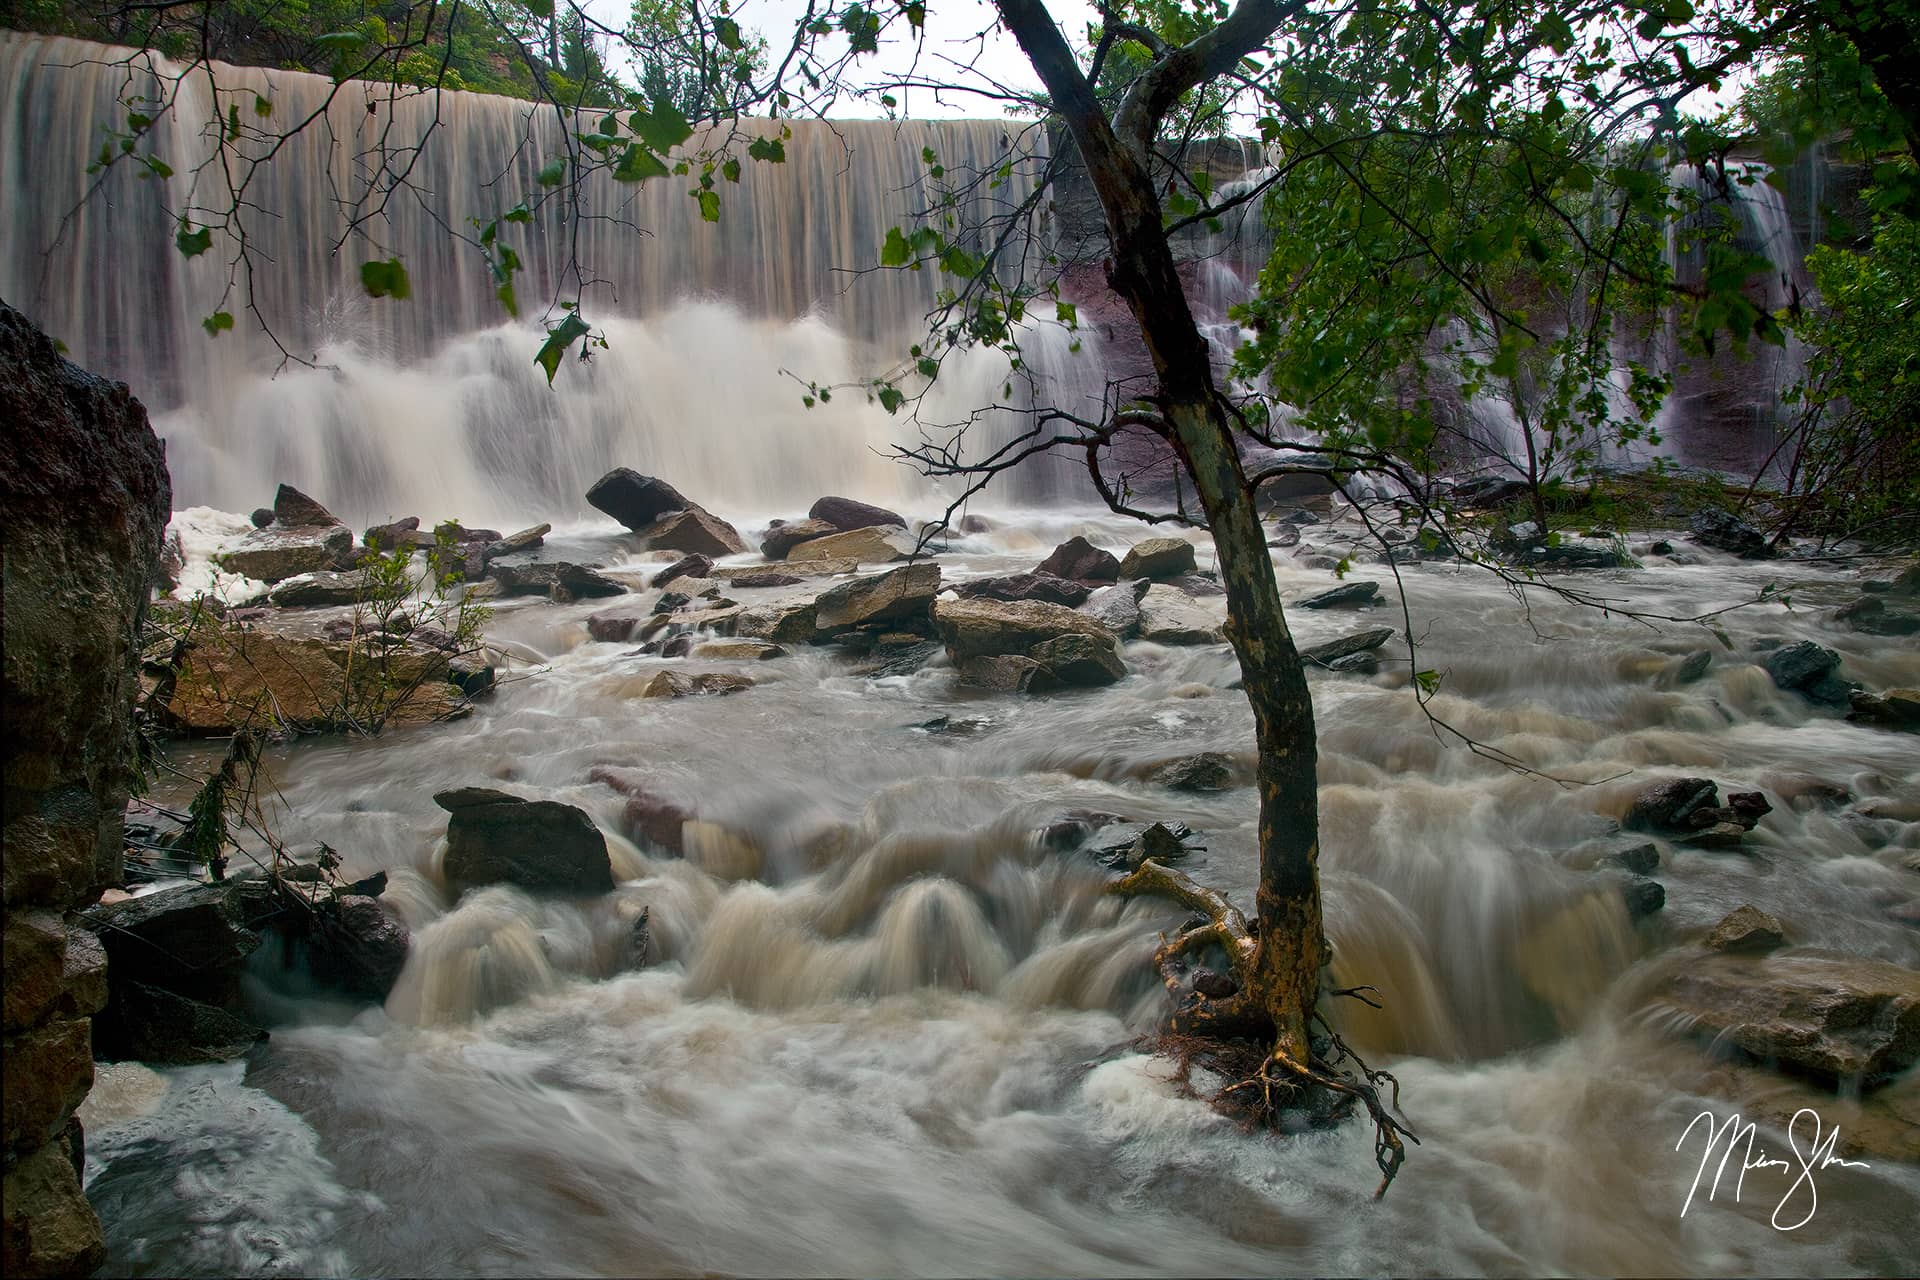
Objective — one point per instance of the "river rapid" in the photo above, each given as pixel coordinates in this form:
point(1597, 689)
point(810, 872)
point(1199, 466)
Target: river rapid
point(893, 1034)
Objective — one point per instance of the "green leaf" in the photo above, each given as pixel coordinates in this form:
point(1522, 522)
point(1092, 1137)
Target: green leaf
point(559, 338)
point(727, 32)
point(709, 205)
point(638, 164)
point(217, 323)
point(192, 243)
point(519, 213)
point(386, 279)
point(891, 398)
point(916, 14)
point(731, 169)
point(772, 150)
point(341, 41)
point(261, 107)
point(663, 128)
point(508, 299)
point(1429, 681)
point(928, 367)
point(538, 8)
point(896, 252)
point(1067, 314)
point(553, 173)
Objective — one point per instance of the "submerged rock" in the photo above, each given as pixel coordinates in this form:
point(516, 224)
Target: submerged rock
point(1124, 846)
point(649, 815)
point(1894, 709)
point(1078, 560)
point(1326, 655)
point(1207, 771)
point(676, 684)
point(736, 650)
point(1808, 669)
point(1842, 1019)
point(1158, 558)
point(542, 846)
point(1666, 806)
point(152, 1024)
point(1643, 896)
point(1870, 615)
point(846, 514)
point(1347, 594)
point(1747, 928)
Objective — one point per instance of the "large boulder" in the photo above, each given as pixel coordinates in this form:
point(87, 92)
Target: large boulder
point(1158, 558)
point(1117, 608)
point(780, 623)
point(1668, 805)
point(1078, 560)
point(278, 552)
point(293, 509)
point(1810, 670)
point(525, 540)
point(174, 937)
point(542, 846)
point(559, 579)
point(1346, 595)
point(1077, 660)
point(695, 533)
point(405, 532)
point(1842, 1019)
point(690, 566)
point(1325, 655)
point(985, 628)
point(636, 501)
point(906, 592)
point(881, 544)
point(1169, 615)
point(84, 501)
point(318, 590)
point(788, 534)
point(154, 1024)
point(365, 947)
point(233, 679)
point(1025, 586)
point(1894, 709)
point(845, 514)
point(1871, 616)
point(1720, 529)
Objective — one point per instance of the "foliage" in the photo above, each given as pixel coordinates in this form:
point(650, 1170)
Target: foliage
point(1855, 461)
point(701, 69)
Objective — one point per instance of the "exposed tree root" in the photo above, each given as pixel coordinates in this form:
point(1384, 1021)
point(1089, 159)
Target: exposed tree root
point(1233, 1035)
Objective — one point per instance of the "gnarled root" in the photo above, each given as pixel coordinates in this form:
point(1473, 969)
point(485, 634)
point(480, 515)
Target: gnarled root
point(1221, 1032)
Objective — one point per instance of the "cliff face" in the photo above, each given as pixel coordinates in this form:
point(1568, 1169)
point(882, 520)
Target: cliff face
point(84, 500)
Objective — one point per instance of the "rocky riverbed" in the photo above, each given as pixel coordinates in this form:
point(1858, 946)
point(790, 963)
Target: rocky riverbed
point(752, 917)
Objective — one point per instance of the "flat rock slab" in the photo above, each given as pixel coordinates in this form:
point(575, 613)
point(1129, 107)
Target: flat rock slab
point(172, 935)
point(1347, 646)
point(318, 590)
point(784, 575)
point(1170, 616)
point(1839, 1018)
point(275, 553)
point(893, 596)
point(986, 628)
point(1346, 595)
point(881, 544)
point(847, 514)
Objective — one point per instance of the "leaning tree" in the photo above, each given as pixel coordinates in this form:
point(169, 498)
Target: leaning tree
point(1433, 159)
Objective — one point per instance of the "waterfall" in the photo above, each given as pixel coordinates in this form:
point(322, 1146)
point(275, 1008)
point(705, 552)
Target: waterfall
point(432, 405)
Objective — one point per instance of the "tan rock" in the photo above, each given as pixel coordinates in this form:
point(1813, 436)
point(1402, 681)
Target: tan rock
point(247, 679)
point(878, 545)
point(695, 532)
point(981, 628)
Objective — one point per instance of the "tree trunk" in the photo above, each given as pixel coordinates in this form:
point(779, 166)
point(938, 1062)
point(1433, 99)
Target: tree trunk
point(1285, 973)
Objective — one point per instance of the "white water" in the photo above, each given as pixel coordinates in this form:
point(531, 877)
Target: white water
point(886, 1033)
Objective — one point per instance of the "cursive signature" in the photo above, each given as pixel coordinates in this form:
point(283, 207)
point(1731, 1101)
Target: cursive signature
point(1730, 1135)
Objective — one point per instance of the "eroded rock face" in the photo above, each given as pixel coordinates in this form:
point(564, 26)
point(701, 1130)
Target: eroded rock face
point(84, 499)
point(539, 845)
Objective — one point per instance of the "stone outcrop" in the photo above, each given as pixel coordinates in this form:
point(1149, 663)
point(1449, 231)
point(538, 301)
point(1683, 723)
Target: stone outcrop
point(1810, 670)
point(1158, 558)
point(84, 500)
point(539, 845)
point(1169, 615)
point(234, 678)
point(1078, 560)
point(1332, 651)
point(1720, 529)
point(1894, 709)
point(986, 628)
point(276, 552)
point(845, 514)
point(896, 595)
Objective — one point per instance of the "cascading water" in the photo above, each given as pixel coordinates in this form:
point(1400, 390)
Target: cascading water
point(433, 405)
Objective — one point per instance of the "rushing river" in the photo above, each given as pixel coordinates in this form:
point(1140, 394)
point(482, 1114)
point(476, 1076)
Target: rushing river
point(897, 1036)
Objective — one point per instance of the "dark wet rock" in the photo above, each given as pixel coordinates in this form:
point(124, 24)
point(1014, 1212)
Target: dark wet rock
point(1158, 558)
point(1578, 555)
point(1894, 709)
point(1840, 1019)
point(318, 590)
point(1125, 845)
point(559, 579)
point(152, 1024)
point(846, 514)
point(672, 602)
point(1718, 835)
point(261, 517)
point(1207, 771)
point(1660, 548)
point(695, 532)
point(1000, 672)
point(679, 646)
point(460, 535)
point(1641, 859)
point(903, 658)
point(639, 942)
point(1024, 586)
point(785, 535)
point(1747, 808)
point(1720, 529)
point(676, 684)
point(279, 552)
point(513, 543)
point(693, 566)
point(1642, 896)
point(736, 650)
point(1747, 928)
point(1801, 666)
point(896, 595)
point(1870, 615)
point(1666, 805)
point(1346, 595)
point(1363, 664)
point(1284, 535)
point(294, 509)
point(649, 815)
point(1078, 560)
point(636, 501)
point(1300, 516)
point(1078, 661)
point(542, 846)
point(173, 936)
point(1360, 642)
point(1489, 491)
point(1692, 667)
point(400, 533)
point(783, 624)
point(614, 626)
point(365, 947)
